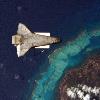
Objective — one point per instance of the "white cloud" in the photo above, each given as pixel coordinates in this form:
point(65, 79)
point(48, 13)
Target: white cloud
point(79, 91)
point(87, 97)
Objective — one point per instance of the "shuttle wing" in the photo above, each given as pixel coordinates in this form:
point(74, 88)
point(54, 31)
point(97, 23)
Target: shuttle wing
point(16, 40)
point(22, 49)
point(23, 30)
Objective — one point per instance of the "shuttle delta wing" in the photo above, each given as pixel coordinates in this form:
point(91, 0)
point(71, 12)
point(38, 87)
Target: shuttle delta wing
point(23, 30)
point(19, 41)
point(22, 49)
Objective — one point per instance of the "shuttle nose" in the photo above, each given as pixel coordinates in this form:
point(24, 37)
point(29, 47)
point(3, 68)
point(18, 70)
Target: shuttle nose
point(56, 40)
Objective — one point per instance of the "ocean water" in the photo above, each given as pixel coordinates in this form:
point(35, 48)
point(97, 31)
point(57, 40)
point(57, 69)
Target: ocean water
point(65, 57)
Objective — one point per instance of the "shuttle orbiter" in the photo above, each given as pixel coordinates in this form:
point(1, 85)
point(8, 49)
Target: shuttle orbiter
point(25, 39)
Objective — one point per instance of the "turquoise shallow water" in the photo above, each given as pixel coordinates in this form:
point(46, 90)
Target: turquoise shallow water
point(63, 58)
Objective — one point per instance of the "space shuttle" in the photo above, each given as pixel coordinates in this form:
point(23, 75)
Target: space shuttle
point(25, 39)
